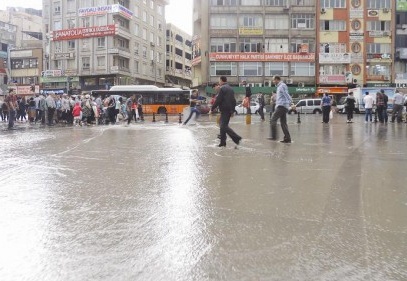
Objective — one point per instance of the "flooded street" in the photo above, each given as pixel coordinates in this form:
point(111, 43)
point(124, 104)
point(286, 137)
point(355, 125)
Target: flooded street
point(158, 201)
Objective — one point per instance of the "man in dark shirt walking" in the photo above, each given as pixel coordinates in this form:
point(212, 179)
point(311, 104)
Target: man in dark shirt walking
point(226, 102)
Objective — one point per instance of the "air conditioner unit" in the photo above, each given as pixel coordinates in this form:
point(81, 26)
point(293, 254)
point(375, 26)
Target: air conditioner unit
point(301, 84)
point(385, 10)
point(287, 7)
point(267, 83)
point(250, 85)
point(258, 84)
point(289, 81)
point(323, 11)
point(386, 33)
point(387, 78)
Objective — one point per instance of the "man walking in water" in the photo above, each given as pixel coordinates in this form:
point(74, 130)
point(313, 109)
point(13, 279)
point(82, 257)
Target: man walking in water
point(226, 102)
point(283, 102)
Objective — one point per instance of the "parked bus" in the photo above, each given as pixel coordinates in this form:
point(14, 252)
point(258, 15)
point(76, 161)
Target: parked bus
point(155, 99)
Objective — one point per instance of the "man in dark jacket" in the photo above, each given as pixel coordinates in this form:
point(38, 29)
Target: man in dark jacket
point(226, 102)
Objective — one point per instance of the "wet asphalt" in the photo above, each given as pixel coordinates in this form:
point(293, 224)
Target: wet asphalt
point(160, 201)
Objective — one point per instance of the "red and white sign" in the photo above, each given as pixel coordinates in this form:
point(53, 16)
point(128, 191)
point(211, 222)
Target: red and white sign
point(84, 32)
point(265, 57)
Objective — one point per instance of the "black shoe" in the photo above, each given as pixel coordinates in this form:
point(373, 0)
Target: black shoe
point(238, 141)
point(222, 144)
point(285, 141)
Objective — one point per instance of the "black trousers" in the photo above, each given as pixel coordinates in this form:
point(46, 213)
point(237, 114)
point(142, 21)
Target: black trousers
point(280, 113)
point(325, 113)
point(226, 130)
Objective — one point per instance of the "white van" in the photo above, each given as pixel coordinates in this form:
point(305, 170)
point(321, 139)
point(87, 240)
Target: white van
point(308, 106)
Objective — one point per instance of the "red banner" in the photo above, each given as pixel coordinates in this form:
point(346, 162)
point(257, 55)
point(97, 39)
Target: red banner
point(83, 32)
point(254, 57)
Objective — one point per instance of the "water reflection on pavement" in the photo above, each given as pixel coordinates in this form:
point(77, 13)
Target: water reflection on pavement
point(163, 202)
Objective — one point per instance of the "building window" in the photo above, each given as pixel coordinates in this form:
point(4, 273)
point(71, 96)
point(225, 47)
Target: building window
point(136, 67)
point(223, 21)
point(302, 21)
point(85, 44)
point(378, 4)
point(302, 69)
point(101, 61)
point(136, 11)
point(85, 62)
point(136, 48)
point(152, 38)
point(251, 45)
point(71, 23)
point(251, 69)
point(160, 10)
point(332, 25)
point(57, 8)
point(332, 69)
point(151, 20)
point(250, 2)
point(276, 68)
point(276, 45)
point(224, 68)
point(223, 45)
point(251, 21)
point(101, 42)
point(144, 16)
point(378, 48)
point(303, 3)
point(144, 52)
point(86, 22)
point(333, 3)
point(332, 48)
point(276, 21)
point(275, 2)
point(144, 34)
point(70, 5)
point(71, 44)
point(122, 43)
point(123, 23)
point(57, 25)
point(378, 25)
point(297, 44)
point(137, 30)
point(151, 4)
point(377, 69)
point(224, 2)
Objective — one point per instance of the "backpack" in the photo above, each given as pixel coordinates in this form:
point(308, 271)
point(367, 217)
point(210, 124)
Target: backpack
point(246, 102)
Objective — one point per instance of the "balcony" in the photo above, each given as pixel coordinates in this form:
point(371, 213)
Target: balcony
point(334, 58)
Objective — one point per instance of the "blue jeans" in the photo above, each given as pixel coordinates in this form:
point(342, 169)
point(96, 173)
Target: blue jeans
point(193, 109)
point(368, 114)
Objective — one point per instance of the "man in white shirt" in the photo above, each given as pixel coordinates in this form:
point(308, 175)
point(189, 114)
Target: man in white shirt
point(398, 101)
point(368, 101)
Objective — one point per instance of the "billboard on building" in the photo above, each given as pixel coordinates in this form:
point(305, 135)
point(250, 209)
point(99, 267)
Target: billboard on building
point(83, 32)
point(266, 57)
point(102, 10)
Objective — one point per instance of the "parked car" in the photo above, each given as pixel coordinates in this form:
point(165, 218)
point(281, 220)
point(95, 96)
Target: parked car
point(254, 108)
point(311, 106)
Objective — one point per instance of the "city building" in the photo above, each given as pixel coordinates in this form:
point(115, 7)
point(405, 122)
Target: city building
point(178, 72)
point(21, 48)
point(252, 40)
point(96, 44)
point(400, 68)
point(7, 40)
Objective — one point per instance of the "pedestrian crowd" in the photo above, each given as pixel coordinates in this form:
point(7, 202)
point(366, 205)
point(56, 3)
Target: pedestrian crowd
point(77, 110)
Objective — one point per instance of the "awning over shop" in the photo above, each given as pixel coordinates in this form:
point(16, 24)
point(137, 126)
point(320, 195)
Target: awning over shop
point(332, 90)
point(268, 90)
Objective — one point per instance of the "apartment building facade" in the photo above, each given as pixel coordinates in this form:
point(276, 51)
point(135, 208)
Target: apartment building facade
point(178, 64)
point(94, 44)
point(252, 40)
point(314, 45)
point(355, 44)
point(401, 44)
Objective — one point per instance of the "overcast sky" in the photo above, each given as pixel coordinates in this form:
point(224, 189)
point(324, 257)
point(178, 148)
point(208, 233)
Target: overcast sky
point(179, 12)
